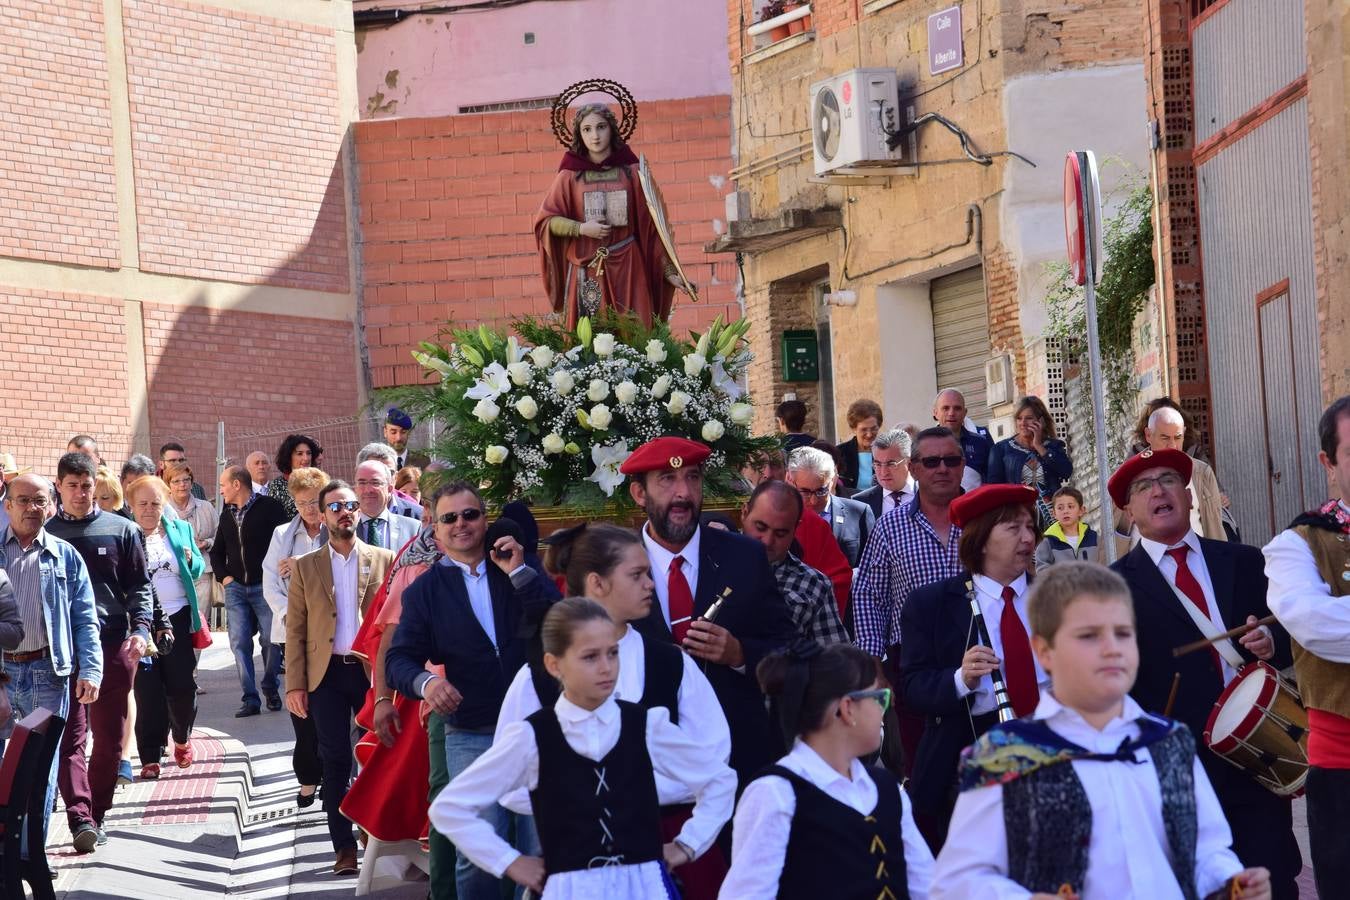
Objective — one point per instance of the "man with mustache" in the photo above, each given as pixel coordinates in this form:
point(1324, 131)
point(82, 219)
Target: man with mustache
point(330, 590)
point(1186, 587)
point(716, 596)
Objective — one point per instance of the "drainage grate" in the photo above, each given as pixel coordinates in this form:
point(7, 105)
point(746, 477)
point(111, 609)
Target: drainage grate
point(271, 815)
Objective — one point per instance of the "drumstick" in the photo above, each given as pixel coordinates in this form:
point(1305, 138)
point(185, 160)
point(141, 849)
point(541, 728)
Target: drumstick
point(1172, 695)
point(1230, 633)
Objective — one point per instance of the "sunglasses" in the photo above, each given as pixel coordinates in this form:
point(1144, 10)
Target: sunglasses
point(348, 505)
point(881, 695)
point(468, 515)
point(932, 462)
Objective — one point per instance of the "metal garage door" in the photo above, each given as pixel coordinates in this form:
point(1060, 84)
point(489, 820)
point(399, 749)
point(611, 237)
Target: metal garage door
point(961, 337)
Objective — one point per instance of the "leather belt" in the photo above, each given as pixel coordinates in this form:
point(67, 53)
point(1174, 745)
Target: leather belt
point(348, 659)
point(27, 655)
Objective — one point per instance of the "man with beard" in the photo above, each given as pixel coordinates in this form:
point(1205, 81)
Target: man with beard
point(465, 614)
point(716, 596)
point(330, 590)
point(1186, 588)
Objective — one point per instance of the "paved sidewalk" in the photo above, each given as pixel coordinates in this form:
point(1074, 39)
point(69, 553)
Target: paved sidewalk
point(228, 825)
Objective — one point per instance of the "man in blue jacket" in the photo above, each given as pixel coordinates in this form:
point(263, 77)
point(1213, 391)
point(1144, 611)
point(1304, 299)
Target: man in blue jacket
point(466, 613)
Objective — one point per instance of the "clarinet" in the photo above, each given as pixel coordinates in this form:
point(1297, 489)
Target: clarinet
point(1003, 704)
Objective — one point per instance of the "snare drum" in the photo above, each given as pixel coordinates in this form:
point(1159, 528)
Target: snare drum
point(1259, 725)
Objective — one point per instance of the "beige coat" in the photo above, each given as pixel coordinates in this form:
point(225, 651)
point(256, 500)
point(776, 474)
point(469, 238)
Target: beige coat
point(311, 610)
point(1206, 510)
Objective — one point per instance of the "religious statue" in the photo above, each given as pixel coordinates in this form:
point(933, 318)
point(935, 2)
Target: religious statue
point(603, 237)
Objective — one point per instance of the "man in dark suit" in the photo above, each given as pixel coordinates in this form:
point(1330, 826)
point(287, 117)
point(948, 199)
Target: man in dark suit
point(716, 595)
point(1185, 588)
point(465, 613)
point(946, 667)
point(812, 473)
point(890, 466)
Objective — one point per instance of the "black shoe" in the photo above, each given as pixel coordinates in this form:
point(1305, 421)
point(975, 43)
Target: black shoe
point(85, 837)
point(248, 709)
point(274, 702)
point(305, 801)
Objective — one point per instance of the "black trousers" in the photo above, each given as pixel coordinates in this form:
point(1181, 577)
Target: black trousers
point(1328, 792)
point(166, 693)
point(332, 706)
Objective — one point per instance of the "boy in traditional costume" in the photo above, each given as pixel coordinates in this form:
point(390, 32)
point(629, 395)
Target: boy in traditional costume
point(1090, 797)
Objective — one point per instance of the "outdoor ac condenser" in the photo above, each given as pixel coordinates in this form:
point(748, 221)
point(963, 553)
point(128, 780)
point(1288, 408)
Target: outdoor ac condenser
point(850, 117)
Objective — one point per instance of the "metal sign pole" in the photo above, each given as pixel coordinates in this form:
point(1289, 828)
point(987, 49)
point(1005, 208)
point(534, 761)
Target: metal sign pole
point(1090, 225)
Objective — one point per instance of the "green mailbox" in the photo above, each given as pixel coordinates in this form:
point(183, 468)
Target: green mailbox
point(801, 356)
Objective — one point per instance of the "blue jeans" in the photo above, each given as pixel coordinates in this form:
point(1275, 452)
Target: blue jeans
point(33, 685)
point(246, 614)
point(471, 882)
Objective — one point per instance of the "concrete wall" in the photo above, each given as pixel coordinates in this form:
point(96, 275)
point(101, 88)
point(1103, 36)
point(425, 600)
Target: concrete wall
point(436, 64)
point(174, 223)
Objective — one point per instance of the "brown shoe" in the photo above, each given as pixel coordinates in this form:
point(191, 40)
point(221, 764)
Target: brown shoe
point(346, 862)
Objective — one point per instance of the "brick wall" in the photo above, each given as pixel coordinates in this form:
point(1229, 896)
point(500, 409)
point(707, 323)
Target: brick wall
point(236, 134)
point(57, 199)
point(65, 372)
point(785, 306)
point(1005, 324)
point(448, 206)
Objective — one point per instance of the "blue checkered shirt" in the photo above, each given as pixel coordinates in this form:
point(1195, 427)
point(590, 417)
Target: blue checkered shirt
point(902, 554)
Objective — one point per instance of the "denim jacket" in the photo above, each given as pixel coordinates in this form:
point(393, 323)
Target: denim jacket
point(69, 612)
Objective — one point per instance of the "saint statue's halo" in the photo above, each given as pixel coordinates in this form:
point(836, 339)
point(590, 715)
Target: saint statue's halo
point(562, 130)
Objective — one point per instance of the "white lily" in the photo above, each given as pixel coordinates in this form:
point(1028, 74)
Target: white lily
point(722, 381)
point(435, 363)
point(514, 351)
point(607, 460)
point(494, 382)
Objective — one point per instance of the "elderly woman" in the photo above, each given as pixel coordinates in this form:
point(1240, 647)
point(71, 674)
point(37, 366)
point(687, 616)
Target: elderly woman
point(198, 513)
point(1032, 456)
point(166, 691)
point(298, 451)
point(855, 454)
point(301, 535)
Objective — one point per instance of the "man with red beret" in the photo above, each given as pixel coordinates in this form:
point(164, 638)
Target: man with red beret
point(1184, 588)
point(716, 596)
point(947, 664)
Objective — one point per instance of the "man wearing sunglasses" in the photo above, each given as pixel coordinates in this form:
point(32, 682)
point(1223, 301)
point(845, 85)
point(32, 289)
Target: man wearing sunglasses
point(465, 614)
point(330, 591)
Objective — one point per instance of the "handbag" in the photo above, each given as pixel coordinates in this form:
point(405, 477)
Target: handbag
point(201, 638)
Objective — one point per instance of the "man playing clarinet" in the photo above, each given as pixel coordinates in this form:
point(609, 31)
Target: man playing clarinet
point(1309, 570)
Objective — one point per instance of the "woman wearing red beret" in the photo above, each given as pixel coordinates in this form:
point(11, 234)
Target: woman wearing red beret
point(949, 663)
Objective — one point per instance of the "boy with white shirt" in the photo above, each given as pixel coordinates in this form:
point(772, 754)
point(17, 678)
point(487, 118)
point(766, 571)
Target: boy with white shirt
point(1131, 815)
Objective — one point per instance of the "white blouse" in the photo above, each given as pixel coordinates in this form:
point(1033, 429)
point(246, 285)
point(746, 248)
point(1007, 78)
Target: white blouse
point(764, 824)
point(1128, 853)
point(513, 762)
point(162, 566)
point(701, 716)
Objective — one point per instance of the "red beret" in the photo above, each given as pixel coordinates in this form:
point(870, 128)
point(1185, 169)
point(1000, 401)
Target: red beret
point(665, 453)
point(973, 504)
point(1129, 470)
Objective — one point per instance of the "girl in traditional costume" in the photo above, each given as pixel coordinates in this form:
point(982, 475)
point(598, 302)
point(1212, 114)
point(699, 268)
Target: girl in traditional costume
point(599, 246)
point(609, 564)
point(589, 763)
point(819, 823)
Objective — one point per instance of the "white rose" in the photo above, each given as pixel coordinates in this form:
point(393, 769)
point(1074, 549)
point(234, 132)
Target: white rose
point(601, 417)
point(693, 364)
point(660, 387)
point(597, 390)
point(542, 356)
point(519, 372)
point(678, 401)
point(712, 430)
point(563, 382)
point(527, 408)
point(496, 454)
point(603, 344)
point(626, 391)
point(656, 351)
point(486, 411)
point(553, 442)
point(741, 413)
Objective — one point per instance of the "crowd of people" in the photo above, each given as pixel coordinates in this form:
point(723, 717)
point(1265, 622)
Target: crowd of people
point(865, 683)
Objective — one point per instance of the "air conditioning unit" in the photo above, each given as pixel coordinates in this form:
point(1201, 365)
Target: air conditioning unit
point(851, 115)
point(998, 380)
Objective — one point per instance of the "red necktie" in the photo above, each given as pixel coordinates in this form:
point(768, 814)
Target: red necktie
point(1017, 662)
point(1188, 585)
point(680, 599)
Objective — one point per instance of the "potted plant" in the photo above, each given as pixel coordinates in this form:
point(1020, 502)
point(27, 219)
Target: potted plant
point(772, 10)
point(797, 26)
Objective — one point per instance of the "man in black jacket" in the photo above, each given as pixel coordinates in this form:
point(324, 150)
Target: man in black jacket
point(114, 554)
point(242, 540)
point(466, 614)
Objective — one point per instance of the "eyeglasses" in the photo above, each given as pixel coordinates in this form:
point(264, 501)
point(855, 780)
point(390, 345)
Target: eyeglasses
point(38, 502)
point(932, 462)
point(1167, 481)
point(818, 492)
point(468, 515)
point(307, 504)
point(890, 464)
point(348, 505)
point(881, 695)
point(371, 482)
